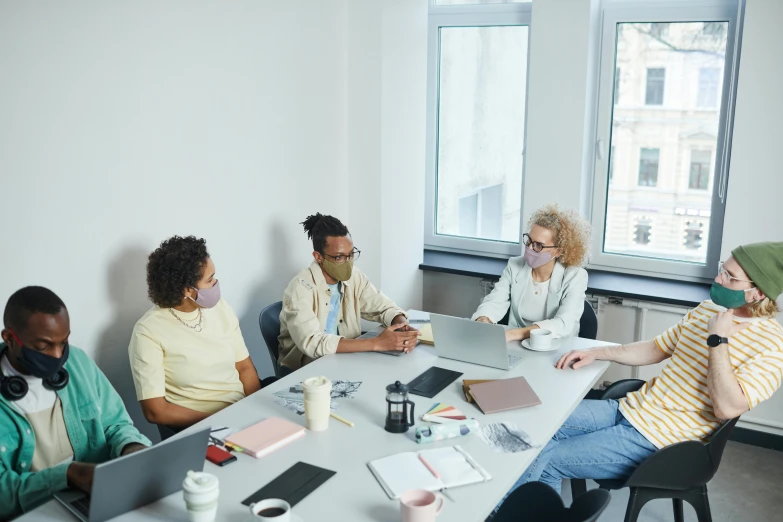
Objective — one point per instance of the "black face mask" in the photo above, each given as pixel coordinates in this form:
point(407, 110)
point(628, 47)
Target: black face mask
point(41, 365)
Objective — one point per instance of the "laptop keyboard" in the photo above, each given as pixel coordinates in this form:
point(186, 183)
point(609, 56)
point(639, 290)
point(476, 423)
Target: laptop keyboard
point(82, 505)
point(513, 360)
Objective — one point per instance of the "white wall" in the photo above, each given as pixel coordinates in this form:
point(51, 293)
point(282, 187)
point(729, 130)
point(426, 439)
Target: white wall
point(124, 123)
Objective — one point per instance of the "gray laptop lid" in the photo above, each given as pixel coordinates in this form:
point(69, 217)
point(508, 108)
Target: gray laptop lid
point(470, 341)
point(138, 479)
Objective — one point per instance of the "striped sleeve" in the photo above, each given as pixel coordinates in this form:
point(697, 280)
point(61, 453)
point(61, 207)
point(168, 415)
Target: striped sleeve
point(762, 375)
point(667, 341)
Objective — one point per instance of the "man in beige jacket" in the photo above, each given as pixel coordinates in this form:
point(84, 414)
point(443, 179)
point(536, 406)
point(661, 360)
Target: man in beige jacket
point(324, 304)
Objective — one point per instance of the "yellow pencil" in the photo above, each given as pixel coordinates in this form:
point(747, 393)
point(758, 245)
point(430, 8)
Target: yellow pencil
point(344, 421)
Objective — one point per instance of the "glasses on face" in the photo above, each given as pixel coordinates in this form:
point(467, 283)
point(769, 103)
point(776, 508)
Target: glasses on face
point(342, 259)
point(535, 245)
point(726, 278)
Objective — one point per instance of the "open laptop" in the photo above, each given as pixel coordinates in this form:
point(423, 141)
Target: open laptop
point(472, 341)
point(138, 479)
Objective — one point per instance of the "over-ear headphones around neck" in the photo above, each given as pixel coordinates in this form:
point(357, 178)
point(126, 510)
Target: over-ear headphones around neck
point(14, 387)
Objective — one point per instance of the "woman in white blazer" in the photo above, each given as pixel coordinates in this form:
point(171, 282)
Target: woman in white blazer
point(545, 288)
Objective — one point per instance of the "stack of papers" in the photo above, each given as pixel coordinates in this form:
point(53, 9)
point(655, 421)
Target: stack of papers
point(441, 413)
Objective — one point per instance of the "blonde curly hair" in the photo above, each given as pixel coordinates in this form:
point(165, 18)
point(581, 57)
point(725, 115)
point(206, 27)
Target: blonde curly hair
point(571, 232)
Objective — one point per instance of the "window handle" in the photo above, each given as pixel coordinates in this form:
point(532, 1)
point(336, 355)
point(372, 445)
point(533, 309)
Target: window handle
point(600, 148)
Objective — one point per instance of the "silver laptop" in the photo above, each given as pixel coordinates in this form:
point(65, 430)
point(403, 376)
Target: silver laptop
point(473, 342)
point(138, 479)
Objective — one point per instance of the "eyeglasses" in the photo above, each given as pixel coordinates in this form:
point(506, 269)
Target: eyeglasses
point(535, 245)
point(342, 259)
point(726, 278)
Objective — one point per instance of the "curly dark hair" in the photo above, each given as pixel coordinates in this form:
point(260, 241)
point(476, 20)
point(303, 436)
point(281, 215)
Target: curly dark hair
point(320, 226)
point(175, 265)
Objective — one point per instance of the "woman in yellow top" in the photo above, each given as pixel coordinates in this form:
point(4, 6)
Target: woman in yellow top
point(187, 354)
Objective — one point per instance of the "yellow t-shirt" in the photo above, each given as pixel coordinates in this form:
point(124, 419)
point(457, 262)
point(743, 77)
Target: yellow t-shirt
point(676, 406)
point(193, 369)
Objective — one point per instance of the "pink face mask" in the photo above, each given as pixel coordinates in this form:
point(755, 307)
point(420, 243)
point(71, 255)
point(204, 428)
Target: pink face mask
point(207, 297)
point(536, 259)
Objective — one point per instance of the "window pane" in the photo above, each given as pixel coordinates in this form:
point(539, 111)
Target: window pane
point(655, 83)
point(708, 87)
point(648, 167)
point(658, 202)
point(465, 2)
point(481, 115)
point(700, 169)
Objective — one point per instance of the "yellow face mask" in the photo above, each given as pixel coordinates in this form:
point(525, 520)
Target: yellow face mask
point(341, 272)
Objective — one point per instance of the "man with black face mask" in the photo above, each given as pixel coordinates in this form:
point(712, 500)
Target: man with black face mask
point(59, 415)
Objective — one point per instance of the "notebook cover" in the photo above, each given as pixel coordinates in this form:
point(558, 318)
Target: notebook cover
point(426, 335)
point(432, 382)
point(266, 436)
point(504, 394)
point(293, 485)
point(466, 386)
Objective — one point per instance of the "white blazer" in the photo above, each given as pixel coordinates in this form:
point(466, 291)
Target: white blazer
point(564, 303)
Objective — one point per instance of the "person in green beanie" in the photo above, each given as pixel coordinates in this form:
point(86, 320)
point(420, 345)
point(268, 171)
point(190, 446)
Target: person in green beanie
point(323, 305)
point(725, 357)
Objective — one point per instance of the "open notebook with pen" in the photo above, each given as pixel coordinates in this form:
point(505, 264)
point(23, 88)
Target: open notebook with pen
point(403, 471)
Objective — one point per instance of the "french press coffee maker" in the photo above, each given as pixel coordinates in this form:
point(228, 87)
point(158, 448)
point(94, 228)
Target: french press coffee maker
point(397, 408)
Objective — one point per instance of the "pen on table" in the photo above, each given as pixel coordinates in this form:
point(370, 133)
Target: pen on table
point(411, 321)
point(344, 421)
point(427, 464)
point(446, 494)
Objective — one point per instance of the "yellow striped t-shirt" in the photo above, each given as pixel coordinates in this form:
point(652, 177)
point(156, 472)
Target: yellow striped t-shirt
point(675, 406)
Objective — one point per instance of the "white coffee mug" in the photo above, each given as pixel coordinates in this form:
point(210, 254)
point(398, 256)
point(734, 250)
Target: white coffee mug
point(540, 339)
point(271, 510)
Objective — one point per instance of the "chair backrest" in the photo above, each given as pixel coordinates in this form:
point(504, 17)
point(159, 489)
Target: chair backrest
point(537, 502)
point(269, 322)
point(588, 324)
point(717, 443)
point(166, 431)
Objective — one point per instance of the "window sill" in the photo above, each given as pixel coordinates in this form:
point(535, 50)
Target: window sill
point(643, 288)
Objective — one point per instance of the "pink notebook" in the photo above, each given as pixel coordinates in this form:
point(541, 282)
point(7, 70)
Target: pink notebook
point(504, 394)
point(266, 436)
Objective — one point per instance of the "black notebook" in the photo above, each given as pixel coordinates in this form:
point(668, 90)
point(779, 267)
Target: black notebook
point(433, 381)
point(293, 485)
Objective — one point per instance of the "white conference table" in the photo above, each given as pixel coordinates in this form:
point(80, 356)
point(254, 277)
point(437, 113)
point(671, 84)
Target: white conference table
point(353, 493)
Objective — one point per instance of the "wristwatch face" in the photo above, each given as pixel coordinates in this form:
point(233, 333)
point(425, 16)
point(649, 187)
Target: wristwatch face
point(714, 340)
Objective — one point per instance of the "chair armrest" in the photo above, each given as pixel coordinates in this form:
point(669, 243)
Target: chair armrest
point(621, 388)
point(684, 465)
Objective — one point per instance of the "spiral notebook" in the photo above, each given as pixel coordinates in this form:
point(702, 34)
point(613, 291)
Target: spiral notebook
point(404, 471)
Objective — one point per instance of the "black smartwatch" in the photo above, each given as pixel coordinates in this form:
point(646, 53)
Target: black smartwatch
point(714, 340)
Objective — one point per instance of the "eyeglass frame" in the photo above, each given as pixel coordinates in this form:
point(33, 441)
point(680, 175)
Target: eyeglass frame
point(728, 278)
point(530, 243)
point(355, 254)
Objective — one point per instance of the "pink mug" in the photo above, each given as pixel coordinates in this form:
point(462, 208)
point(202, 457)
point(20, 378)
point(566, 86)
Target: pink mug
point(419, 505)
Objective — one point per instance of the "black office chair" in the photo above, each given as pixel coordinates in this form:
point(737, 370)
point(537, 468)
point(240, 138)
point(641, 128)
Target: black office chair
point(588, 323)
point(679, 472)
point(269, 322)
point(537, 502)
point(167, 431)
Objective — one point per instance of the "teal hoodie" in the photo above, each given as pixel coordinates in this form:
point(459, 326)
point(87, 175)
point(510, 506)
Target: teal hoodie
point(97, 424)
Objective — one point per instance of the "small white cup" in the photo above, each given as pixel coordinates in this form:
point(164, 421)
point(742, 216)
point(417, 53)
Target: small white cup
point(317, 401)
point(201, 492)
point(540, 339)
point(272, 504)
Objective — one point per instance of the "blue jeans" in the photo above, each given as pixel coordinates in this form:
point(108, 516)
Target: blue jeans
point(595, 442)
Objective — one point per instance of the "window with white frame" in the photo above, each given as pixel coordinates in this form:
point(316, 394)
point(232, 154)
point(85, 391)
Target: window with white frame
point(673, 56)
point(477, 89)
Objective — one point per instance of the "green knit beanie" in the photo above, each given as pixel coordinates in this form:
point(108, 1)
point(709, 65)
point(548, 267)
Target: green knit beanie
point(763, 262)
